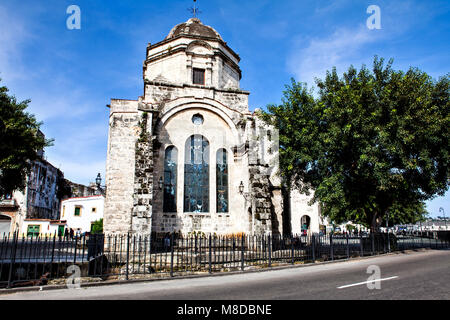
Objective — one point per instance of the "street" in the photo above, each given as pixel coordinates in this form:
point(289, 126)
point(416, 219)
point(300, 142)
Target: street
point(412, 275)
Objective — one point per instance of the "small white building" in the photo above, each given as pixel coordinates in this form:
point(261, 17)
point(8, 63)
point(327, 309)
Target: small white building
point(80, 213)
point(42, 228)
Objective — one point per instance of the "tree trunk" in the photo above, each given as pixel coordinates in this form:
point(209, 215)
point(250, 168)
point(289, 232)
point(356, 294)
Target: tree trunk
point(373, 223)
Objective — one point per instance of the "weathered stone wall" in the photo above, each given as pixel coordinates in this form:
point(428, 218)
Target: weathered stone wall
point(156, 92)
point(143, 178)
point(124, 130)
point(277, 211)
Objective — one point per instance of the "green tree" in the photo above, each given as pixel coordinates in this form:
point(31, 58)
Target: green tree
point(20, 140)
point(97, 227)
point(372, 140)
point(402, 214)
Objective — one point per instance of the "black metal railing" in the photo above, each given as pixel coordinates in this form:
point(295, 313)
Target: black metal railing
point(26, 261)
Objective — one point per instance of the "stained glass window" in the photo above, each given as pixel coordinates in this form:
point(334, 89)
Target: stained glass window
point(196, 175)
point(222, 181)
point(170, 180)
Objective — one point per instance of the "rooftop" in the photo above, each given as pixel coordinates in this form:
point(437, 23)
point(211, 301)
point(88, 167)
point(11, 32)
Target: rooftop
point(194, 27)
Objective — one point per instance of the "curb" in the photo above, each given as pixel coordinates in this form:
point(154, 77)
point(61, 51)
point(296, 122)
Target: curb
point(120, 282)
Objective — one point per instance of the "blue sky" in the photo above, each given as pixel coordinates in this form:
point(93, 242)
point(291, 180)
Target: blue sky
point(71, 75)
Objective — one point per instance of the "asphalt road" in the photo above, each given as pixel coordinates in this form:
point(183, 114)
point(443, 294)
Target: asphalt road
point(415, 275)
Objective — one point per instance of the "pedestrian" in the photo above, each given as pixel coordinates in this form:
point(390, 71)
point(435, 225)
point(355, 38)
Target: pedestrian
point(71, 233)
point(167, 240)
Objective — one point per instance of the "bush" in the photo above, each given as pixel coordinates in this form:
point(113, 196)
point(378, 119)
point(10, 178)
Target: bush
point(97, 227)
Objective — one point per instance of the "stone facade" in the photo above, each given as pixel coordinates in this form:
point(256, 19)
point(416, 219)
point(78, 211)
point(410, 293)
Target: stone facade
point(141, 131)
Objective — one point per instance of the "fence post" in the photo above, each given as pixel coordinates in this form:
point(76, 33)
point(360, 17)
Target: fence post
point(242, 253)
point(210, 256)
point(421, 240)
point(53, 255)
point(292, 249)
point(13, 258)
point(436, 241)
point(373, 242)
point(128, 254)
point(389, 242)
point(348, 245)
point(270, 251)
point(171, 254)
point(361, 245)
point(331, 247)
point(313, 248)
point(75, 251)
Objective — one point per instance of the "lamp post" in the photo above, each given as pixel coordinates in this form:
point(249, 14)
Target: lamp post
point(98, 182)
point(247, 197)
point(241, 191)
point(445, 221)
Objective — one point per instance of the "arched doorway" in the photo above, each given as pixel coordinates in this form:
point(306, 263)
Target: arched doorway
point(305, 225)
point(5, 224)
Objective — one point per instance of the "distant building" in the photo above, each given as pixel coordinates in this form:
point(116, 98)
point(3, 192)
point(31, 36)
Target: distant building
point(40, 199)
point(79, 213)
point(79, 190)
point(433, 225)
point(42, 227)
point(8, 213)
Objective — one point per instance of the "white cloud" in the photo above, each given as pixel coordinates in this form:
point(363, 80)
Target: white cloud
point(12, 36)
point(348, 46)
point(339, 50)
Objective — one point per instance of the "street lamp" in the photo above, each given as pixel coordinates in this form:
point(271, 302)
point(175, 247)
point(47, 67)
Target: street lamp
point(241, 188)
point(445, 221)
point(98, 182)
point(247, 197)
point(241, 191)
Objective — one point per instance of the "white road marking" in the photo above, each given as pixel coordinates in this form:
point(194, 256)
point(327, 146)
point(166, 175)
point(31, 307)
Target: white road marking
point(366, 282)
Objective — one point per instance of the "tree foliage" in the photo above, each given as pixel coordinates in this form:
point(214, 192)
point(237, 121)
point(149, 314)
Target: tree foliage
point(97, 227)
point(20, 140)
point(371, 141)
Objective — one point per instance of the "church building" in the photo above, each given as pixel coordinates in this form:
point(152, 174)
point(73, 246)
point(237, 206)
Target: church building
point(188, 156)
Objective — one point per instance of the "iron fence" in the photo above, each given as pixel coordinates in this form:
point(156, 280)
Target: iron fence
point(26, 261)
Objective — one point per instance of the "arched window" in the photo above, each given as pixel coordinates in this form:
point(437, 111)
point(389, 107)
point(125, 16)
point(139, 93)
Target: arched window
point(196, 174)
point(222, 181)
point(170, 180)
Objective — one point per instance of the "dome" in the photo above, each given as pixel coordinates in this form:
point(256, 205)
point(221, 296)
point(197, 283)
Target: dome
point(194, 27)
